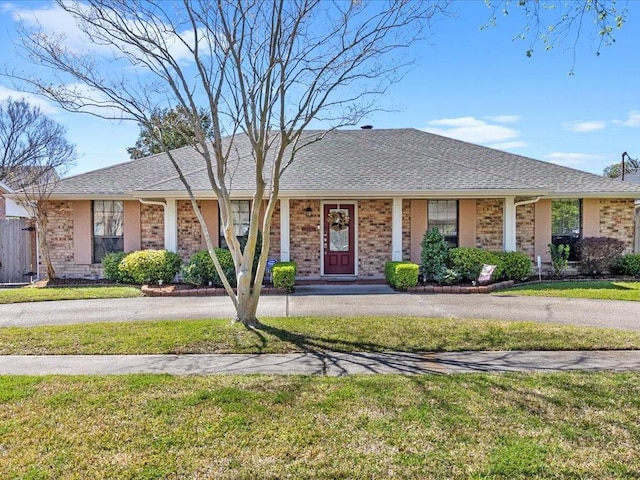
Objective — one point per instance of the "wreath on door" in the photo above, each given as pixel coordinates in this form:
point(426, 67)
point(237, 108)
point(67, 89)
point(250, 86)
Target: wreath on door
point(338, 220)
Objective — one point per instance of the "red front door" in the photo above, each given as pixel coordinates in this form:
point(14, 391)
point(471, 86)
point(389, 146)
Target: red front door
point(339, 245)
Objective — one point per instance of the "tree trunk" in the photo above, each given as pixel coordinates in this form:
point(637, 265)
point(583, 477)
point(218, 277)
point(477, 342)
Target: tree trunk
point(44, 247)
point(247, 302)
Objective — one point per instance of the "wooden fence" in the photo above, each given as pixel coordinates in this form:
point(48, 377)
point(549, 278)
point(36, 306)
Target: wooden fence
point(16, 250)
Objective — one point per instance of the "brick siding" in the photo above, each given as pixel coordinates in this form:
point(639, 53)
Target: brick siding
point(489, 224)
point(305, 237)
point(189, 230)
point(406, 230)
point(60, 237)
point(274, 245)
point(151, 227)
point(616, 220)
point(374, 236)
point(525, 229)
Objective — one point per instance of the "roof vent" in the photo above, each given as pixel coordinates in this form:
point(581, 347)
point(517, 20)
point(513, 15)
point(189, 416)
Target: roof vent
point(366, 127)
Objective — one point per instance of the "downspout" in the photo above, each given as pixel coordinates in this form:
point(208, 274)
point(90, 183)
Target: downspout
point(527, 202)
point(636, 217)
point(152, 202)
point(510, 233)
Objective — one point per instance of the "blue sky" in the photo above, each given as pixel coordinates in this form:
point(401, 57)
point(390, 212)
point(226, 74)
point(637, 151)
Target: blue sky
point(472, 84)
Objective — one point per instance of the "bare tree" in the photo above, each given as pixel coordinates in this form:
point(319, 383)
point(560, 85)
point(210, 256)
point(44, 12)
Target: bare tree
point(262, 69)
point(562, 23)
point(35, 153)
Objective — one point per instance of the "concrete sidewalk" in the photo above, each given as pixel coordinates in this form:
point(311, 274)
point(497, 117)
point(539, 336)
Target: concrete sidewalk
point(328, 363)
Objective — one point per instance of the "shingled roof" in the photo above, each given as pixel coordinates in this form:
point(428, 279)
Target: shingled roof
point(358, 163)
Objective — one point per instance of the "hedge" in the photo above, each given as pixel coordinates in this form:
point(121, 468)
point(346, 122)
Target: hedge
point(284, 275)
point(111, 267)
point(468, 262)
point(628, 265)
point(150, 266)
point(200, 269)
point(401, 275)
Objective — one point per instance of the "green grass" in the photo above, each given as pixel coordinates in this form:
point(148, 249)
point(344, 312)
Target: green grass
point(282, 335)
point(31, 294)
point(601, 290)
point(478, 426)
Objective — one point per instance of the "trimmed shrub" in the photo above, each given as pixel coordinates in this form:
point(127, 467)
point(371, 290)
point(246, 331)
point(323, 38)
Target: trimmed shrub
point(628, 265)
point(449, 277)
point(559, 258)
point(111, 267)
point(150, 266)
point(599, 254)
point(514, 265)
point(284, 275)
point(200, 269)
point(401, 275)
point(468, 262)
point(434, 254)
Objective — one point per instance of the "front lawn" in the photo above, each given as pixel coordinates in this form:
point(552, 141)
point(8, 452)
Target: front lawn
point(602, 290)
point(569, 425)
point(283, 335)
point(35, 294)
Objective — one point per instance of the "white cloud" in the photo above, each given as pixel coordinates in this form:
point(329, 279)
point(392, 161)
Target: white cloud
point(32, 99)
point(472, 130)
point(572, 159)
point(584, 127)
point(55, 21)
point(505, 118)
point(633, 119)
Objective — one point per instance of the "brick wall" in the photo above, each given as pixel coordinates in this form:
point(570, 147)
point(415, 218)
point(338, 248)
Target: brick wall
point(274, 246)
point(406, 230)
point(489, 224)
point(374, 236)
point(525, 229)
point(60, 237)
point(616, 220)
point(152, 227)
point(305, 237)
point(189, 230)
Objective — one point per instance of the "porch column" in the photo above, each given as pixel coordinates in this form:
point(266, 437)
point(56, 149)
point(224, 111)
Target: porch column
point(396, 230)
point(509, 225)
point(171, 226)
point(284, 230)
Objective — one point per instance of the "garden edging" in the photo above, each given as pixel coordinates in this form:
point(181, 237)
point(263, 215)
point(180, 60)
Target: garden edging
point(461, 288)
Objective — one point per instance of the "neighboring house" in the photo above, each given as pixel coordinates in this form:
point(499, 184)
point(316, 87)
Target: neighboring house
point(17, 240)
point(349, 203)
point(9, 208)
point(634, 177)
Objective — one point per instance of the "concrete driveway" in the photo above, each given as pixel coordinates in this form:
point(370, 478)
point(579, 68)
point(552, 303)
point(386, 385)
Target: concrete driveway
point(339, 300)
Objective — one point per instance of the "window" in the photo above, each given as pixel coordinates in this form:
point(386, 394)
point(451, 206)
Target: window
point(108, 228)
point(443, 215)
point(240, 213)
point(566, 224)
